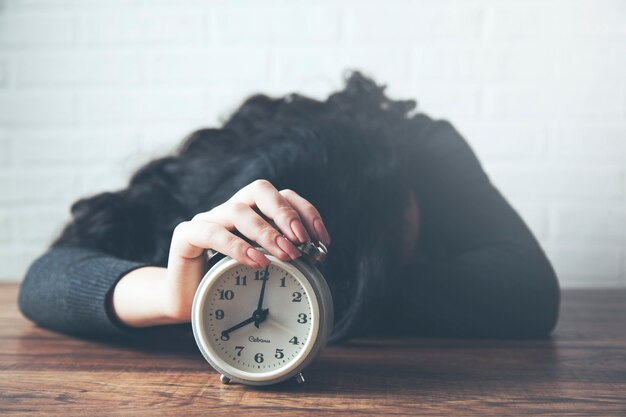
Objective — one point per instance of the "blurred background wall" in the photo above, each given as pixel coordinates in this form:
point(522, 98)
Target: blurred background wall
point(89, 90)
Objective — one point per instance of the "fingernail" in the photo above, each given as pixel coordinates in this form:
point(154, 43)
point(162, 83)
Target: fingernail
point(298, 229)
point(287, 247)
point(257, 257)
point(321, 231)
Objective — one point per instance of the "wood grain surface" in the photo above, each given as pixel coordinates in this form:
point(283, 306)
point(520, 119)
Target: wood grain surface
point(580, 371)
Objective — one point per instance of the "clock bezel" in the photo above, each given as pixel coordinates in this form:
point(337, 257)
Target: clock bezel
point(321, 306)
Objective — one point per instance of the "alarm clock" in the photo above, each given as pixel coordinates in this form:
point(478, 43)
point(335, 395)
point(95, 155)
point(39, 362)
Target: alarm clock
point(263, 326)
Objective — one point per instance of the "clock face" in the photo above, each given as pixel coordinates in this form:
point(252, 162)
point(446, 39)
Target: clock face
point(259, 321)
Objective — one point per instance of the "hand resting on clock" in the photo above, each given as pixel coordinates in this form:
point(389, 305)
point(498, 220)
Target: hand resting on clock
point(152, 296)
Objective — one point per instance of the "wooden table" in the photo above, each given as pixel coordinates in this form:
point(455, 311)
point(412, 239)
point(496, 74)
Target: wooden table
point(582, 370)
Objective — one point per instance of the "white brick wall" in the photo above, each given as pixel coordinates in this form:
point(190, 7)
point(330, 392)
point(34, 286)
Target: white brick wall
point(90, 89)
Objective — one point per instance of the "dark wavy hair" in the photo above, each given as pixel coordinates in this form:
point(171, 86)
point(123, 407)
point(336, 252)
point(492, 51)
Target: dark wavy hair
point(348, 155)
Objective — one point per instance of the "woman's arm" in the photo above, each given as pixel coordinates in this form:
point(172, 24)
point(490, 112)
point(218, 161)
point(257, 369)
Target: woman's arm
point(83, 291)
point(138, 299)
point(485, 273)
point(68, 288)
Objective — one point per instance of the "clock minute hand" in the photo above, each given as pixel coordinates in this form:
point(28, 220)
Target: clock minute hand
point(259, 315)
point(266, 275)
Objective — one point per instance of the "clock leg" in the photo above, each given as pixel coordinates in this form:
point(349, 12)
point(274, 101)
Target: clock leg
point(300, 378)
point(224, 379)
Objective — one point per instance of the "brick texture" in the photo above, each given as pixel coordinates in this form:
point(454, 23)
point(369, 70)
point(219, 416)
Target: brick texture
point(91, 89)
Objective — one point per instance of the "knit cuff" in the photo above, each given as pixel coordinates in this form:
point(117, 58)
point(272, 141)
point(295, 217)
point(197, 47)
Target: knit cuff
point(91, 282)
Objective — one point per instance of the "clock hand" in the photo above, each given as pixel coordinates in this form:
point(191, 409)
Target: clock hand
point(247, 321)
point(237, 326)
point(259, 316)
point(266, 276)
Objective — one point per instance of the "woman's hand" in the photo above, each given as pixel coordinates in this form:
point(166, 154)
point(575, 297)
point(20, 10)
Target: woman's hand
point(152, 296)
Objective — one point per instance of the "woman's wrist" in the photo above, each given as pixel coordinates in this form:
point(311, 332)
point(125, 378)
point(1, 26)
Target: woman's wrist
point(139, 298)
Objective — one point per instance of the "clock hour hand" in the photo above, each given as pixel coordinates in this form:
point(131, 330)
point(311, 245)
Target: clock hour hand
point(254, 318)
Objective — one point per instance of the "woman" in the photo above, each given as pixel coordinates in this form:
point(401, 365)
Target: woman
point(422, 243)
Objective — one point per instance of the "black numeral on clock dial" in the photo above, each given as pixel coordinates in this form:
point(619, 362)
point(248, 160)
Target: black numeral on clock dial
point(260, 275)
point(227, 294)
point(297, 297)
point(282, 282)
point(219, 314)
point(239, 280)
point(279, 354)
point(294, 341)
point(302, 318)
point(258, 358)
point(239, 349)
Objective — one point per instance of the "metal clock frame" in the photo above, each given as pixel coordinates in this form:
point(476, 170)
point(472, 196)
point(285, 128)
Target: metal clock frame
point(321, 301)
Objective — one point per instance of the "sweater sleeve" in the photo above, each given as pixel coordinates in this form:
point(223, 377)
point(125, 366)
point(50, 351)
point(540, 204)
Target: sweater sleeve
point(483, 273)
point(68, 288)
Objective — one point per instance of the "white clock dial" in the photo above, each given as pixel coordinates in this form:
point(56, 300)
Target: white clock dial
point(286, 319)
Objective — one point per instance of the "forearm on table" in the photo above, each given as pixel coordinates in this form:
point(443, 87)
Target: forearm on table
point(138, 299)
point(486, 294)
